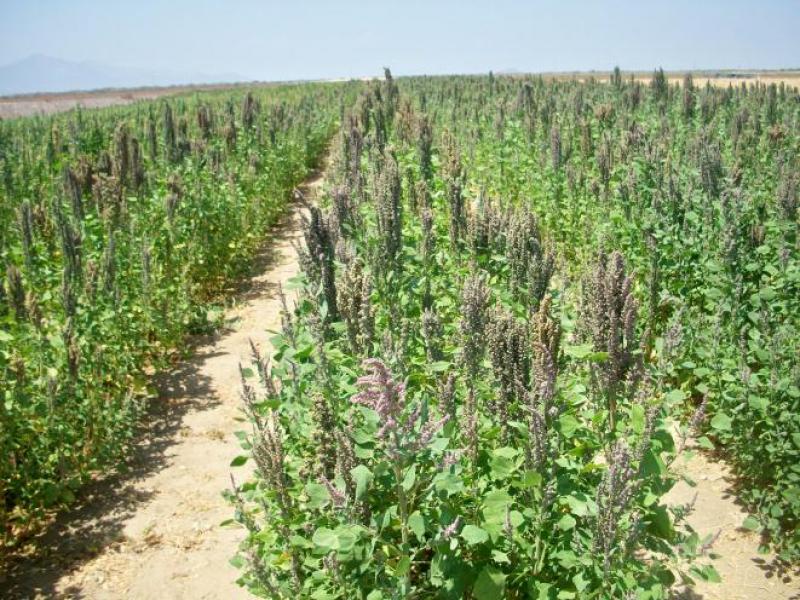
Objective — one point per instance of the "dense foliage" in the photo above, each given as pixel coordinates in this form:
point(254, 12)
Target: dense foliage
point(699, 190)
point(116, 228)
point(513, 288)
point(512, 291)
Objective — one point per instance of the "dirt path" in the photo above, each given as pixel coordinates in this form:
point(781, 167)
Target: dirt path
point(154, 532)
point(746, 574)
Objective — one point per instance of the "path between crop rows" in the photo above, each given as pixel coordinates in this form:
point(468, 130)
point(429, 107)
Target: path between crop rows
point(746, 575)
point(155, 534)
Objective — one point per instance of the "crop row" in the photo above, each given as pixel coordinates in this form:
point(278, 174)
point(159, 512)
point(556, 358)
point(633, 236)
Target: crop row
point(117, 227)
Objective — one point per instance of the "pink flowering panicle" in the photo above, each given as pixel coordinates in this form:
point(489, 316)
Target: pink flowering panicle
point(384, 395)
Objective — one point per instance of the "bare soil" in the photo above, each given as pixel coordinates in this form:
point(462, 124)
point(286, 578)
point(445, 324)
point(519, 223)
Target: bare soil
point(790, 78)
point(154, 532)
point(47, 103)
point(745, 574)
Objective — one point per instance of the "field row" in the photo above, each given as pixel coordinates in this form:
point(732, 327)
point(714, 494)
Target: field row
point(117, 229)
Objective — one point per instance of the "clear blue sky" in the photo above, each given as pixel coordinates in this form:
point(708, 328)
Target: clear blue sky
point(310, 39)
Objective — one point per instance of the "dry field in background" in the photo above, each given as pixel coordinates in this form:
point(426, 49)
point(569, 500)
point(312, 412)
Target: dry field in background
point(46, 103)
point(31, 104)
point(721, 78)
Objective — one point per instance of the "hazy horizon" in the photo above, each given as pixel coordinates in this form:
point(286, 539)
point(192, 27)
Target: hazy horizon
point(269, 41)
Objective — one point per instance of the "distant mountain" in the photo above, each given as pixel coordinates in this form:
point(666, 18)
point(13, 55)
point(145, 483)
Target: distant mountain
point(39, 73)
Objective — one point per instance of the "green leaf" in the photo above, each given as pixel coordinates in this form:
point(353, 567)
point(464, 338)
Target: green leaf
point(706, 573)
point(361, 436)
point(568, 425)
point(661, 524)
point(449, 483)
point(675, 396)
point(637, 418)
point(416, 522)
point(585, 352)
point(363, 453)
point(500, 557)
point(238, 561)
point(490, 585)
point(325, 539)
point(403, 566)
point(5, 336)
point(758, 403)
point(652, 464)
point(496, 506)
point(704, 442)
point(712, 575)
point(566, 522)
point(578, 505)
point(721, 422)
point(295, 283)
point(410, 478)
point(303, 353)
point(566, 558)
point(516, 518)
point(579, 352)
point(503, 462)
point(318, 495)
point(530, 479)
point(751, 523)
point(300, 542)
point(239, 461)
point(440, 366)
point(580, 583)
point(439, 444)
point(345, 538)
point(363, 477)
point(474, 535)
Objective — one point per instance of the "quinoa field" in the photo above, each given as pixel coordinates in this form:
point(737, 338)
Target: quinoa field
point(516, 308)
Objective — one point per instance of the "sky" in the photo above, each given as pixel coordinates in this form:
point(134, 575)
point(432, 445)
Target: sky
point(297, 39)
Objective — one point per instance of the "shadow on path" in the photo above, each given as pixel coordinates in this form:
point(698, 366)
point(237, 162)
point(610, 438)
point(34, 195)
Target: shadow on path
point(97, 520)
